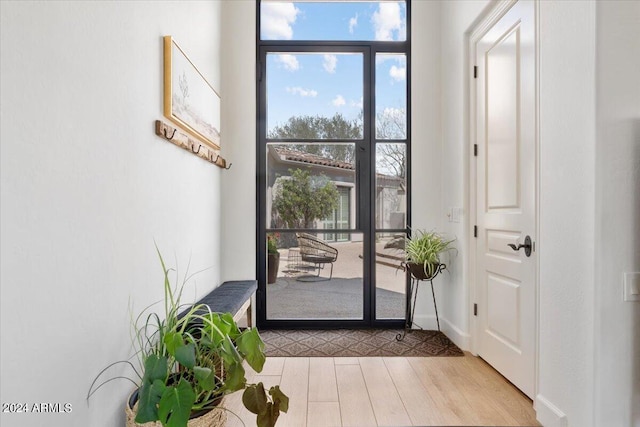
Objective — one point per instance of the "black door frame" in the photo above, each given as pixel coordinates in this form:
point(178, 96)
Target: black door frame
point(365, 172)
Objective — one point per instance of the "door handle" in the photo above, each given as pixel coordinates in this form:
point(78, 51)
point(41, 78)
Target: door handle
point(528, 245)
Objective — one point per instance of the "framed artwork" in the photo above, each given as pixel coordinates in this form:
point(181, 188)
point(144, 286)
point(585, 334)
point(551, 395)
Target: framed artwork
point(189, 100)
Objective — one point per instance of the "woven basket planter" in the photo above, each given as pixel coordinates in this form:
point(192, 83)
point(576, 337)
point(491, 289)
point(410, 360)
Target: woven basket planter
point(216, 417)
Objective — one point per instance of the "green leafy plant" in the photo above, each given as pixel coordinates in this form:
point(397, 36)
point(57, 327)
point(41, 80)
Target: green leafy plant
point(267, 409)
point(191, 360)
point(424, 248)
point(272, 243)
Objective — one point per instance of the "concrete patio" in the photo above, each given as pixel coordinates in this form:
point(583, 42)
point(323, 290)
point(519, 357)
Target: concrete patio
point(342, 296)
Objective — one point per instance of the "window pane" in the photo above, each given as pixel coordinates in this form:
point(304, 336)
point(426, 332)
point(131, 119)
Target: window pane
point(391, 96)
point(340, 218)
point(293, 291)
point(335, 20)
point(391, 184)
point(311, 186)
point(314, 95)
point(391, 281)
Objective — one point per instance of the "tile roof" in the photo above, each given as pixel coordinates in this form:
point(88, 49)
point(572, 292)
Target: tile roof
point(298, 156)
point(314, 159)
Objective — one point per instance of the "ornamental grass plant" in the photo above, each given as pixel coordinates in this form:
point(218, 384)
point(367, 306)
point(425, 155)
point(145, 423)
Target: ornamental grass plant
point(425, 248)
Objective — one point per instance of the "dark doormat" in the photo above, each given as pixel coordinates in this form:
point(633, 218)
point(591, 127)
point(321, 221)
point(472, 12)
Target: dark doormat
point(356, 343)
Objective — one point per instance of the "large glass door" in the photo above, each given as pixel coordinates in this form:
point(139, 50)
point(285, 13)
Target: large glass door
point(332, 179)
point(313, 171)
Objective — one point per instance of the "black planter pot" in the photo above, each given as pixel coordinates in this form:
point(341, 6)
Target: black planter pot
point(273, 263)
point(418, 270)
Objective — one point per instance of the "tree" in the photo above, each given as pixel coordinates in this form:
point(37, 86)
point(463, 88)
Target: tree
point(391, 124)
point(301, 199)
point(318, 127)
point(391, 159)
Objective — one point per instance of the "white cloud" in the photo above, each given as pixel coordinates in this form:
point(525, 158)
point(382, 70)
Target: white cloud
point(381, 58)
point(330, 62)
point(402, 32)
point(387, 21)
point(353, 23)
point(398, 73)
point(302, 92)
point(277, 19)
point(290, 62)
point(338, 101)
point(357, 104)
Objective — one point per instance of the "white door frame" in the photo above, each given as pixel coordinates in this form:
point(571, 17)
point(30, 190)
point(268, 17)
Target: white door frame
point(475, 33)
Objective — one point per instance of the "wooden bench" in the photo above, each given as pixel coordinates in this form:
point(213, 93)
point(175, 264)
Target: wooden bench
point(231, 297)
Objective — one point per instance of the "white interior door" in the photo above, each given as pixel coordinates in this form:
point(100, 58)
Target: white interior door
point(506, 195)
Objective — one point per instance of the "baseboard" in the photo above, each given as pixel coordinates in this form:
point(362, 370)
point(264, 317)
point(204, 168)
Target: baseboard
point(455, 334)
point(428, 321)
point(548, 414)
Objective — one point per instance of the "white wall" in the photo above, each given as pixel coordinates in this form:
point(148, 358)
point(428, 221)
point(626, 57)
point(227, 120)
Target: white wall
point(239, 116)
point(425, 115)
point(426, 150)
point(567, 208)
point(456, 19)
point(617, 333)
point(87, 187)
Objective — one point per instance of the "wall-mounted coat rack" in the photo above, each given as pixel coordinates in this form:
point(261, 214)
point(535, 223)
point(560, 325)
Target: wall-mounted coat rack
point(171, 134)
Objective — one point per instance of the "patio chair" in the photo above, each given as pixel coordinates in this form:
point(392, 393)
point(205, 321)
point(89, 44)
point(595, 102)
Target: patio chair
point(318, 253)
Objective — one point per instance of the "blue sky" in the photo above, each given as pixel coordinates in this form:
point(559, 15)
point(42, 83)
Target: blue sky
point(326, 83)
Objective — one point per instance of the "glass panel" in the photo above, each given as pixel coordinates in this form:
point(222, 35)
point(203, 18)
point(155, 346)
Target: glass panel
point(335, 20)
point(391, 282)
point(310, 183)
point(343, 214)
point(391, 184)
point(314, 96)
point(329, 224)
point(340, 218)
point(293, 291)
point(391, 96)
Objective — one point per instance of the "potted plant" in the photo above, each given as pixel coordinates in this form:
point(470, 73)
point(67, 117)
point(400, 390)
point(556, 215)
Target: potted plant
point(422, 253)
point(273, 258)
point(189, 361)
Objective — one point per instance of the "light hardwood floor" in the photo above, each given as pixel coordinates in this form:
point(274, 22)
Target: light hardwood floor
point(389, 391)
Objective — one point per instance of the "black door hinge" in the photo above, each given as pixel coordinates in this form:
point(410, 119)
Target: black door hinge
point(475, 71)
point(259, 72)
point(475, 231)
point(475, 150)
point(475, 309)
